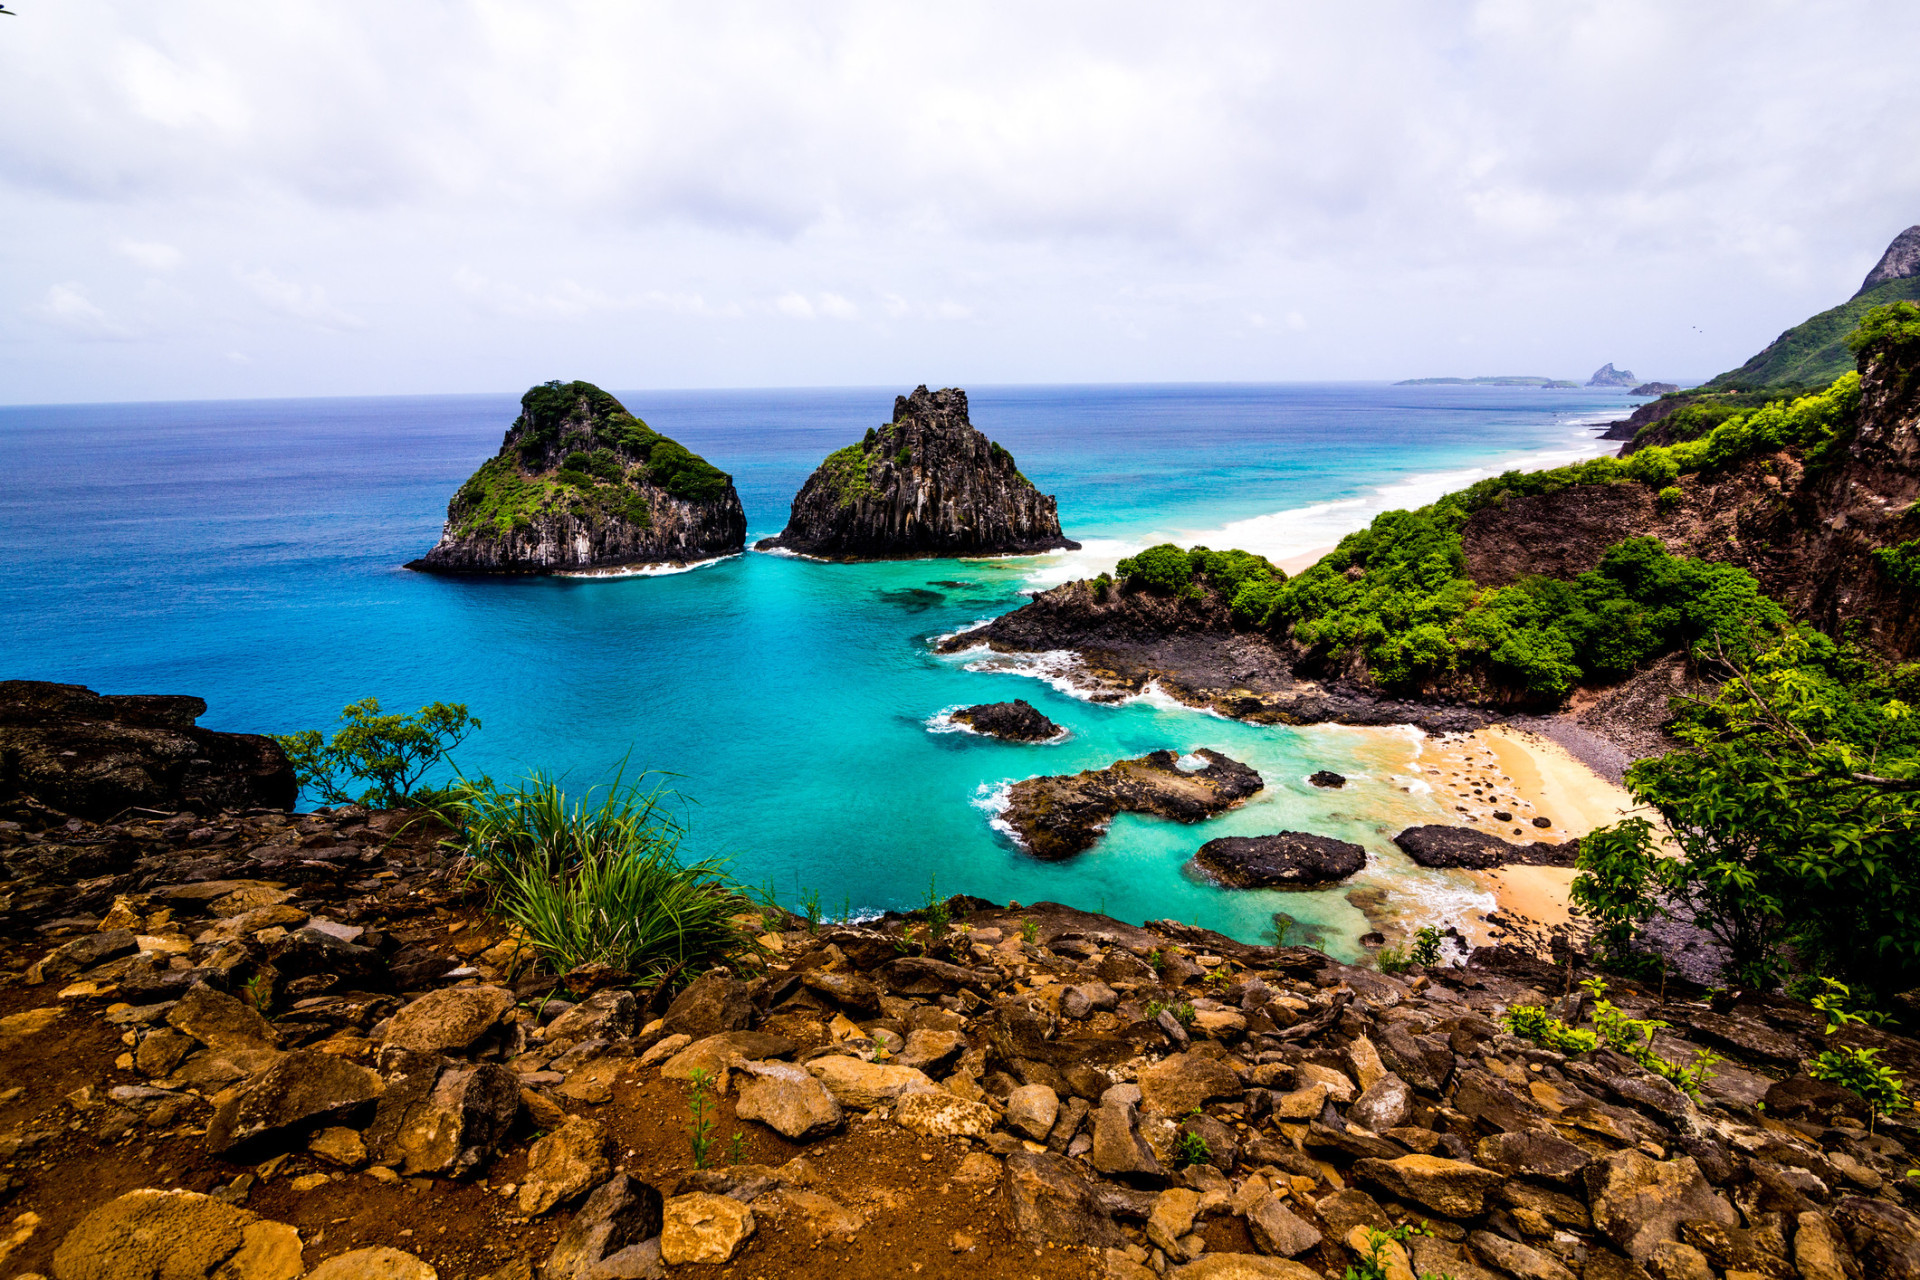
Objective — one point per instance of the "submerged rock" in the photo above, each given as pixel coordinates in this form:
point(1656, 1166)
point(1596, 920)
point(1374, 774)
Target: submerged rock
point(581, 484)
point(1285, 860)
point(1016, 721)
point(1059, 816)
point(1327, 778)
point(1443, 846)
point(926, 484)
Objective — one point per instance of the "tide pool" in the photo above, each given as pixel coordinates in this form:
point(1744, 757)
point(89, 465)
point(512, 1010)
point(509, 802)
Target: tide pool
point(249, 553)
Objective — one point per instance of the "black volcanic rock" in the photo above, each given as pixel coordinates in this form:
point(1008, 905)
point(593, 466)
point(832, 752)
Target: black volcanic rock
point(1464, 847)
point(1057, 817)
point(1284, 860)
point(1016, 721)
point(926, 484)
point(1327, 778)
point(579, 485)
point(73, 750)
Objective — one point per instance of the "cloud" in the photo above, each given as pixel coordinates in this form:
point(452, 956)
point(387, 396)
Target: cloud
point(306, 303)
point(153, 256)
point(68, 307)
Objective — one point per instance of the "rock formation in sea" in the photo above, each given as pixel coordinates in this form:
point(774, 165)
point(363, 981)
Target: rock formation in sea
point(68, 748)
point(1655, 389)
point(580, 484)
point(926, 484)
point(1016, 721)
point(1057, 817)
point(1608, 376)
point(1464, 847)
point(1284, 860)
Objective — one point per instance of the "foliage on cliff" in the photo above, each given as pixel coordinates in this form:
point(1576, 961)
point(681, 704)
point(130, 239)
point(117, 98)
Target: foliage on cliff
point(1237, 575)
point(1817, 349)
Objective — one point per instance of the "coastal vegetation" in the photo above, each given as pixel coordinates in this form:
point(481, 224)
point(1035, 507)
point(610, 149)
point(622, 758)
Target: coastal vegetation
point(389, 752)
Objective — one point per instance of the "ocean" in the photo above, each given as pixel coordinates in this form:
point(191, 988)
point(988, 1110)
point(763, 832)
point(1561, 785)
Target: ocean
point(249, 552)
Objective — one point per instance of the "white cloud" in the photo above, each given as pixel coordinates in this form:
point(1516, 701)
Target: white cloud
point(151, 255)
point(68, 307)
point(307, 303)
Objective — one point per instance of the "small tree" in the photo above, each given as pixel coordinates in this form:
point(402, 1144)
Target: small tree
point(392, 752)
point(1619, 878)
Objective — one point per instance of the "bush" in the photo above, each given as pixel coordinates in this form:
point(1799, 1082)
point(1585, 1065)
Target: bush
point(1670, 497)
point(392, 752)
point(1165, 569)
point(685, 474)
point(1901, 563)
point(599, 880)
point(1861, 1070)
point(1620, 878)
point(1891, 325)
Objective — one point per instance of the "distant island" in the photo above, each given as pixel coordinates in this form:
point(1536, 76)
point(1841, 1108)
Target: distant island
point(1504, 381)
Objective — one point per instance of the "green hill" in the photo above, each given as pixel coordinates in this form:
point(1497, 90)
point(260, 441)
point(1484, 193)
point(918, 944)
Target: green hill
point(1814, 351)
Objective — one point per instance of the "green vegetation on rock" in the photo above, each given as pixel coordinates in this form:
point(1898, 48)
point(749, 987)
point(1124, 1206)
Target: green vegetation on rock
point(391, 752)
point(1816, 350)
point(846, 470)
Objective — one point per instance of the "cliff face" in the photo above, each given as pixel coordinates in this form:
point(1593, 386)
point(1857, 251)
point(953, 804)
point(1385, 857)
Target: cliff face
point(581, 484)
point(1806, 528)
point(926, 484)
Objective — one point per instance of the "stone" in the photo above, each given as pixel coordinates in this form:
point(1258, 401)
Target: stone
point(1032, 1109)
point(1672, 1260)
point(605, 1015)
point(1820, 1251)
point(1286, 860)
point(942, 1115)
point(1242, 1266)
point(622, 1212)
point(865, 1085)
point(1177, 1084)
point(1367, 1066)
point(928, 483)
point(593, 1082)
point(176, 1235)
point(160, 1052)
point(1277, 1230)
point(1016, 721)
point(219, 1021)
point(1386, 1105)
point(1339, 1088)
point(566, 1163)
point(703, 1228)
point(1450, 1188)
point(848, 990)
point(445, 1120)
point(1054, 1201)
point(1118, 1148)
point(789, 1100)
point(83, 952)
point(716, 1053)
point(1300, 1104)
point(339, 1145)
point(451, 1020)
point(1885, 1237)
point(1516, 1259)
point(930, 1050)
point(1540, 1154)
point(1637, 1202)
point(1389, 1254)
point(376, 1263)
point(1475, 850)
point(1057, 817)
point(1172, 1217)
point(712, 1003)
point(925, 976)
point(303, 1088)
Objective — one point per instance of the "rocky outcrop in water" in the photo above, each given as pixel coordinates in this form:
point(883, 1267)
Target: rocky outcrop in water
point(1057, 817)
point(1016, 721)
point(926, 484)
point(68, 748)
point(1471, 850)
point(1655, 389)
point(581, 485)
point(1285, 860)
point(1608, 376)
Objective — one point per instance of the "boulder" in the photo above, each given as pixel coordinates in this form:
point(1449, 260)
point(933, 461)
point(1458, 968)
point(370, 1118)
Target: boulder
point(566, 1163)
point(848, 990)
point(176, 1235)
point(1540, 1154)
point(703, 1228)
point(621, 1213)
point(1516, 1259)
point(1183, 1081)
point(219, 1021)
point(1476, 850)
point(1118, 1149)
point(452, 1020)
point(376, 1263)
point(931, 1050)
point(1242, 1266)
point(1054, 1201)
point(302, 1090)
point(865, 1085)
point(789, 1100)
point(1016, 721)
point(604, 1015)
point(1885, 1237)
point(925, 976)
point(712, 1003)
point(1277, 1230)
point(716, 1053)
point(1450, 1188)
point(1285, 860)
point(444, 1119)
point(1384, 1106)
point(84, 952)
point(1326, 778)
point(1172, 1217)
point(1057, 817)
point(93, 756)
point(1637, 1201)
point(942, 1115)
point(1032, 1109)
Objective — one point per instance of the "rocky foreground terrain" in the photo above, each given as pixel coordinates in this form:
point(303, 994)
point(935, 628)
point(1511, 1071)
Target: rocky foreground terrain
point(261, 1044)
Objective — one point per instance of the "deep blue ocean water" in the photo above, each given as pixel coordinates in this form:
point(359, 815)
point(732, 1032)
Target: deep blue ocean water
point(250, 552)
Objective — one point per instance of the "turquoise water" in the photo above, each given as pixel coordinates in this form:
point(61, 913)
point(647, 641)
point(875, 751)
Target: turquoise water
point(248, 552)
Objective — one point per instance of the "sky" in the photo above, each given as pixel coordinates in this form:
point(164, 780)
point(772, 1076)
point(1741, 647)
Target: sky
point(224, 198)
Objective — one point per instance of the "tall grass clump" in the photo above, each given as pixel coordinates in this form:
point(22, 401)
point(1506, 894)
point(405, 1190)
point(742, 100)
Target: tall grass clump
point(597, 879)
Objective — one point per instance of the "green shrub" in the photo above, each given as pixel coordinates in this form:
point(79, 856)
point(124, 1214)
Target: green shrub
point(1862, 1071)
point(1531, 1022)
point(1670, 497)
point(1426, 946)
point(1392, 959)
point(1165, 569)
point(1619, 883)
point(599, 880)
point(1901, 563)
point(845, 471)
point(392, 752)
point(685, 474)
point(1891, 325)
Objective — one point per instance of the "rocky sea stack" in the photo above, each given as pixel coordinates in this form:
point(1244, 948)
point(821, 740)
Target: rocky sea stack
point(579, 485)
point(926, 484)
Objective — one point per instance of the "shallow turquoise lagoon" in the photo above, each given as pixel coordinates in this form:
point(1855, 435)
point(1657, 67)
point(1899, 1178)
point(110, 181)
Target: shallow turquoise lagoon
point(248, 552)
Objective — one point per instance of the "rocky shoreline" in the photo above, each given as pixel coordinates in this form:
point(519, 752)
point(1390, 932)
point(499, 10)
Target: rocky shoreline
point(1057, 817)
